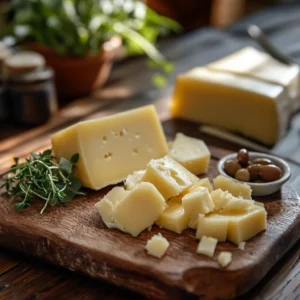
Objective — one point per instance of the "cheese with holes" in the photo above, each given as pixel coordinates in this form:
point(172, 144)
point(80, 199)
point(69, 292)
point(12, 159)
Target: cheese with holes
point(191, 153)
point(168, 176)
point(235, 188)
point(197, 202)
point(131, 211)
point(254, 108)
point(256, 64)
point(224, 258)
point(133, 179)
point(207, 246)
point(173, 218)
point(212, 225)
point(157, 246)
point(112, 147)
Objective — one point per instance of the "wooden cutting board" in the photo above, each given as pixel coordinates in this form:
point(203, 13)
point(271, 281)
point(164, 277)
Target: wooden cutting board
point(74, 236)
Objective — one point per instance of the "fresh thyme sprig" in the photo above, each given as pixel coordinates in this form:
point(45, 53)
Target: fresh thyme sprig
point(41, 177)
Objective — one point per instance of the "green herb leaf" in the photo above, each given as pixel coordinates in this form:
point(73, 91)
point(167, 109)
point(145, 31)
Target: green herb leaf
point(66, 165)
point(74, 159)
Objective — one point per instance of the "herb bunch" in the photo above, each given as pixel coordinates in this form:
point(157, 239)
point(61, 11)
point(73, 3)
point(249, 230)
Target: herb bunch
point(40, 176)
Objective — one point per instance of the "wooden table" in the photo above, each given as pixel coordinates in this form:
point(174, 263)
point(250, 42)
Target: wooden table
point(24, 277)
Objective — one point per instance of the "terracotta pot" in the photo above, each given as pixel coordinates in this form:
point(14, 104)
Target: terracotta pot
point(78, 76)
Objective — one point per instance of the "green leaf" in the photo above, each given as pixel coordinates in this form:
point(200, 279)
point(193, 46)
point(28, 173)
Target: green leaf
point(74, 159)
point(159, 80)
point(35, 156)
point(47, 152)
point(19, 206)
point(66, 165)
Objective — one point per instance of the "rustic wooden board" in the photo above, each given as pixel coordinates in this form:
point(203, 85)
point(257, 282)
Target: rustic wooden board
point(75, 237)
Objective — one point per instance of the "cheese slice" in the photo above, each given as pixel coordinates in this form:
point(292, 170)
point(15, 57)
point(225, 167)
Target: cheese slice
point(157, 246)
point(191, 153)
point(131, 211)
point(260, 65)
point(207, 246)
point(168, 176)
point(254, 108)
point(112, 147)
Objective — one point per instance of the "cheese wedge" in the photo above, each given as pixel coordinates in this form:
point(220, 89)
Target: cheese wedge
point(191, 153)
point(131, 211)
point(157, 246)
point(254, 108)
point(112, 147)
point(168, 176)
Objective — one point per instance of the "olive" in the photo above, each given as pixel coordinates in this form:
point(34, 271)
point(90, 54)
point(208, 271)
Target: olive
point(231, 167)
point(243, 157)
point(270, 173)
point(262, 161)
point(254, 171)
point(242, 175)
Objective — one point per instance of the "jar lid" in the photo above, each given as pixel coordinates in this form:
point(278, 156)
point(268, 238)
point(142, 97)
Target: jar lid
point(24, 61)
point(35, 76)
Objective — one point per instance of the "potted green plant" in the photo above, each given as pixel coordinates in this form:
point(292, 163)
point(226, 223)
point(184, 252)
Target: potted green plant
point(80, 38)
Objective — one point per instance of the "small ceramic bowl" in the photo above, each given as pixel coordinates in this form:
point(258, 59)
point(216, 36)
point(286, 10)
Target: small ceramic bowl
point(266, 188)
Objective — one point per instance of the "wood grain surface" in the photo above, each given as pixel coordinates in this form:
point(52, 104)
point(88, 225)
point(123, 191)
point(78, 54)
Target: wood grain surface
point(75, 237)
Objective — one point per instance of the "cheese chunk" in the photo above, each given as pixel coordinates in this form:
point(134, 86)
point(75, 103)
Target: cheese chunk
point(204, 182)
point(134, 211)
point(233, 102)
point(237, 204)
point(259, 65)
point(168, 176)
point(191, 153)
point(207, 246)
point(224, 258)
point(157, 246)
point(212, 225)
point(220, 198)
point(243, 226)
point(241, 246)
point(173, 218)
point(237, 189)
point(259, 204)
point(199, 201)
point(112, 147)
point(133, 179)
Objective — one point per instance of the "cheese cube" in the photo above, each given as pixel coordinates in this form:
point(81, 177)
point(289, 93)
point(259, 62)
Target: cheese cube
point(202, 182)
point(244, 226)
point(157, 246)
point(168, 176)
point(220, 198)
point(199, 201)
point(259, 204)
point(224, 258)
point(133, 179)
point(212, 225)
point(135, 211)
point(191, 153)
point(237, 204)
point(260, 65)
point(173, 218)
point(207, 246)
point(199, 96)
point(241, 246)
point(112, 147)
point(237, 189)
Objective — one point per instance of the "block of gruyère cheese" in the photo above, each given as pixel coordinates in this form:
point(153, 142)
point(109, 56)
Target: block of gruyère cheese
point(131, 211)
point(191, 153)
point(168, 176)
point(254, 108)
point(112, 147)
point(157, 246)
point(260, 65)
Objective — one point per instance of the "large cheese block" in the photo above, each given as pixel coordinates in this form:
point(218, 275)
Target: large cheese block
point(254, 108)
point(260, 65)
point(112, 147)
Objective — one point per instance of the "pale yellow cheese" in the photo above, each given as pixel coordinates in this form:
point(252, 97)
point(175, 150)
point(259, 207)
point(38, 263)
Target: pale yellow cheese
point(112, 147)
point(224, 258)
point(254, 108)
point(243, 226)
point(132, 211)
point(242, 245)
point(260, 65)
point(133, 179)
point(220, 198)
point(157, 246)
point(202, 182)
point(237, 189)
point(259, 203)
point(207, 246)
point(173, 218)
point(168, 176)
point(198, 201)
point(191, 153)
point(212, 225)
point(236, 204)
